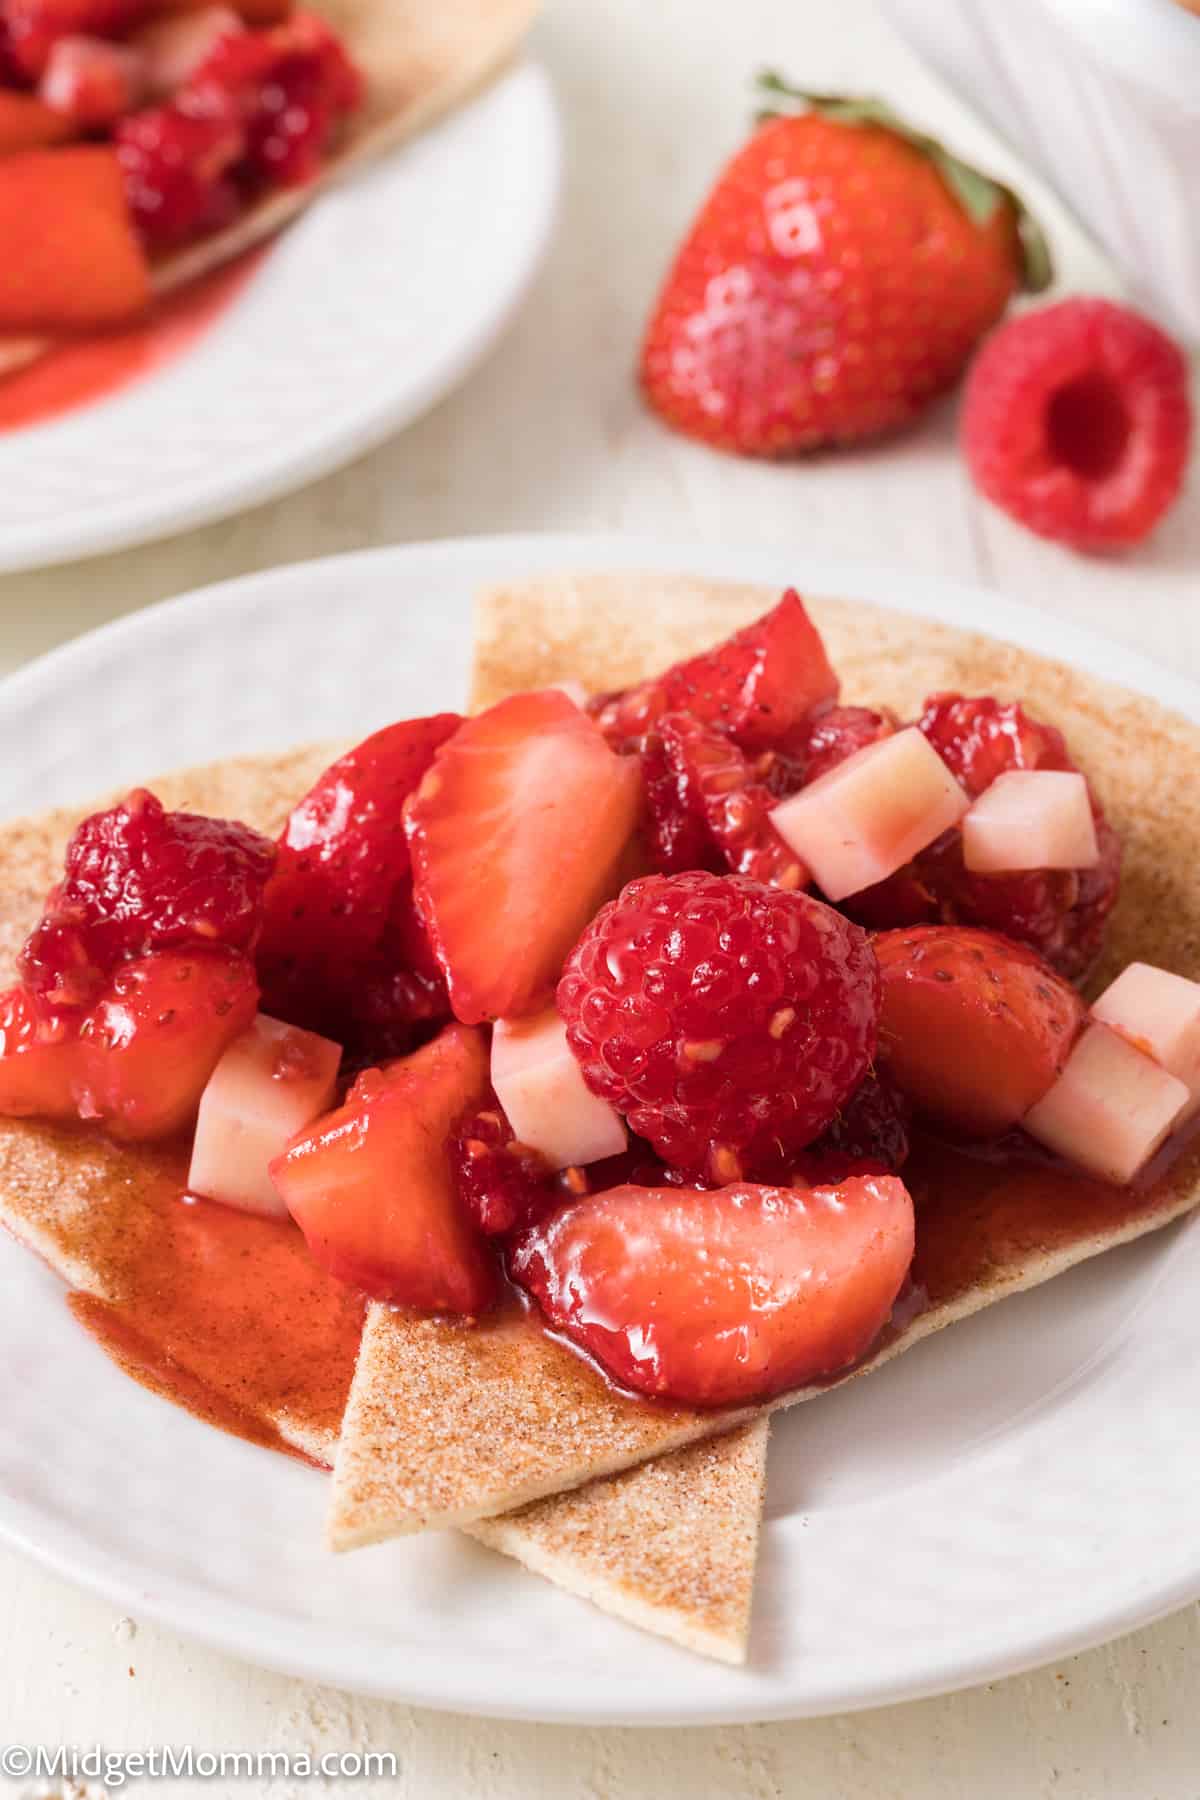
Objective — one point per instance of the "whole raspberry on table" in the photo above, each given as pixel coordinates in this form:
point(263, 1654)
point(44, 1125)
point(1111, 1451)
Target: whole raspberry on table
point(1077, 421)
point(835, 281)
point(137, 879)
point(727, 1021)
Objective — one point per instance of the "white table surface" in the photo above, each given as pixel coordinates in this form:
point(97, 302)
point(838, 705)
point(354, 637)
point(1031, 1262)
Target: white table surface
point(550, 435)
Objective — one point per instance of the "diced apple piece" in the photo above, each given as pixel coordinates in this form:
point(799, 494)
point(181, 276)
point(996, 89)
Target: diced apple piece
point(271, 1082)
point(1031, 819)
point(540, 1085)
point(1110, 1109)
point(91, 81)
point(1159, 1013)
point(173, 48)
point(870, 815)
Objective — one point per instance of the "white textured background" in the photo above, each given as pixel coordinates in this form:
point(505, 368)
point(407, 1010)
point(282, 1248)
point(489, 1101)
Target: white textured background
point(549, 434)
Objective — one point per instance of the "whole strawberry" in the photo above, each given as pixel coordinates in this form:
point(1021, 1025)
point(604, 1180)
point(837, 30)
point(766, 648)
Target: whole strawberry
point(836, 280)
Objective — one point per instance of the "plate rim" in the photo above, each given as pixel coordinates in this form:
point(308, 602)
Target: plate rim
point(166, 514)
point(254, 1633)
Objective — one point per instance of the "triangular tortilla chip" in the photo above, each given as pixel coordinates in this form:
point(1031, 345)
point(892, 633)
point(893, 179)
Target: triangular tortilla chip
point(669, 1546)
point(56, 1195)
point(530, 1418)
point(420, 58)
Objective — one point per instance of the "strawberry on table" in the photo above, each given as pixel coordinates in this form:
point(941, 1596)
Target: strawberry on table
point(1077, 421)
point(836, 280)
point(726, 1296)
point(342, 951)
point(373, 1187)
point(973, 1028)
point(72, 260)
point(517, 835)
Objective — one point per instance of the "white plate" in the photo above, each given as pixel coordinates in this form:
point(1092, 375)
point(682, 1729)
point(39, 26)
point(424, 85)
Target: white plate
point(1022, 1489)
point(376, 302)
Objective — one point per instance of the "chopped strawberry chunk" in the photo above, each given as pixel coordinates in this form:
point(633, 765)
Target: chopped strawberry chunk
point(138, 1061)
point(727, 1296)
point(93, 82)
point(517, 835)
point(372, 1186)
point(72, 260)
point(27, 123)
point(708, 805)
point(138, 878)
point(974, 1029)
point(35, 26)
point(343, 951)
point(759, 686)
point(148, 1047)
point(36, 1059)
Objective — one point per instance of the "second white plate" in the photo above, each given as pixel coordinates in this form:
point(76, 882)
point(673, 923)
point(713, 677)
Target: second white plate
point(365, 312)
point(1022, 1489)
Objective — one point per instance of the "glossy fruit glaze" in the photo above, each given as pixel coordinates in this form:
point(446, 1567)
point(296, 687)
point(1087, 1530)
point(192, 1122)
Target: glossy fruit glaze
point(96, 367)
point(228, 1316)
point(225, 1313)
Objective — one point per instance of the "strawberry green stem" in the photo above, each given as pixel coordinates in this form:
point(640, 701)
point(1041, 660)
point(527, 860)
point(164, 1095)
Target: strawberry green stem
point(977, 193)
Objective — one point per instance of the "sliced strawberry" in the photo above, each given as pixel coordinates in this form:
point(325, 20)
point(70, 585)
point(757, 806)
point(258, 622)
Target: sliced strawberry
point(727, 1296)
point(72, 260)
point(372, 1186)
point(342, 950)
point(975, 1028)
point(26, 123)
point(759, 686)
point(517, 834)
point(146, 1050)
point(37, 1060)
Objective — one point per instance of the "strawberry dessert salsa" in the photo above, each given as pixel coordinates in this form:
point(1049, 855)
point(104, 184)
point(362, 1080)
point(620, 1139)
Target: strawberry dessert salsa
point(627, 1008)
point(130, 129)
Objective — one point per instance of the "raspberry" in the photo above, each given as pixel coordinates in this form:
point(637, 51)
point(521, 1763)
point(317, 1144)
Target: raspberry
point(139, 878)
point(291, 86)
point(726, 1020)
point(870, 1135)
point(1077, 421)
point(1061, 913)
point(836, 734)
point(505, 1186)
point(178, 165)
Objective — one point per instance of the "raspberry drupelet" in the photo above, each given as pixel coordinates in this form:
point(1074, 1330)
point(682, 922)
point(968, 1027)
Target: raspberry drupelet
point(727, 1021)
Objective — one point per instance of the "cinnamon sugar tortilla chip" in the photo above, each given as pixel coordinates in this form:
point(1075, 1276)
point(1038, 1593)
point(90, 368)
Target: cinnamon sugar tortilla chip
point(670, 1546)
point(420, 58)
point(446, 1423)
